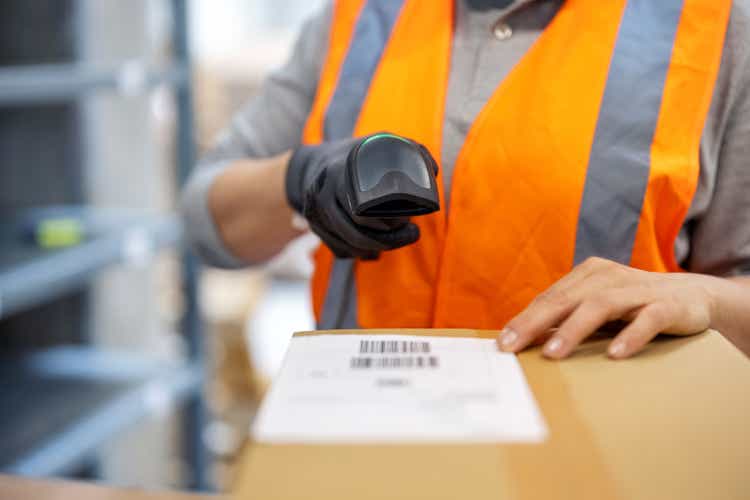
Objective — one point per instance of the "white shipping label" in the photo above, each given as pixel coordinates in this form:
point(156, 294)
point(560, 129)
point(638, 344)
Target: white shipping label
point(398, 389)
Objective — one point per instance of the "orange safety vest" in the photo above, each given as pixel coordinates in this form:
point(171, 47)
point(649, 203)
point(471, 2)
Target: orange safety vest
point(590, 147)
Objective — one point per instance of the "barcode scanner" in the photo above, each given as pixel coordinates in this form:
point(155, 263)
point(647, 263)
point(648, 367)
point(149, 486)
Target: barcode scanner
point(390, 179)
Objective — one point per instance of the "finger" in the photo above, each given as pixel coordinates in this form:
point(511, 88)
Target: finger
point(362, 241)
point(590, 316)
point(348, 231)
point(545, 311)
point(395, 238)
point(368, 238)
point(594, 275)
point(650, 321)
point(334, 218)
point(371, 256)
point(551, 307)
point(541, 339)
point(378, 224)
point(339, 248)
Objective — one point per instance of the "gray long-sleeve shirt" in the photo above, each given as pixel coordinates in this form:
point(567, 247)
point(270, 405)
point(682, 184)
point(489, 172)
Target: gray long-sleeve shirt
point(715, 238)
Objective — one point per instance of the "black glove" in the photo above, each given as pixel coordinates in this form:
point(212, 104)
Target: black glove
point(316, 188)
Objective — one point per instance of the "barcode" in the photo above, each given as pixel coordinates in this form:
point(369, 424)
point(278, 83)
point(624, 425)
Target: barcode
point(402, 362)
point(393, 347)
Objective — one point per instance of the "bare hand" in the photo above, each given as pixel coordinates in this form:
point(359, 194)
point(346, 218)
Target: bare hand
point(599, 291)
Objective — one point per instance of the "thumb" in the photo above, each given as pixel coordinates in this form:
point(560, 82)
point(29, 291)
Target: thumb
point(401, 237)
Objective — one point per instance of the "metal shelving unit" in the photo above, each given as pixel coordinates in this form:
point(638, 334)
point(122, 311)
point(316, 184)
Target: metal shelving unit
point(67, 401)
point(54, 82)
point(89, 405)
point(30, 276)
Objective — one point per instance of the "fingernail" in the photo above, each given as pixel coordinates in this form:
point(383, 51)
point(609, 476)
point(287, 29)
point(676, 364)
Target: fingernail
point(507, 338)
point(553, 347)
point(617, 349)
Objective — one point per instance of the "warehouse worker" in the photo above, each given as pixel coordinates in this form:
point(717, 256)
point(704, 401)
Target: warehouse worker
point(594, 165)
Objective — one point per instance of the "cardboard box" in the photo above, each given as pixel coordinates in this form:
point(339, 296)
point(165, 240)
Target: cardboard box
point(671, 423)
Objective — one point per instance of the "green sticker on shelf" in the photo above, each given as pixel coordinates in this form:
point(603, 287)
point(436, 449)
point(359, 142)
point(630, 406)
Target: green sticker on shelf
point(59, 233)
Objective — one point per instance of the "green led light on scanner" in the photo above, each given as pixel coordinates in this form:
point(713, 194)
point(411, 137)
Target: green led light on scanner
point(380, 136)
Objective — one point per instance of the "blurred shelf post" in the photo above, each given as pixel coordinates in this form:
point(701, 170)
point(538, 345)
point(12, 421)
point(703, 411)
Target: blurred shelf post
point(192, 322)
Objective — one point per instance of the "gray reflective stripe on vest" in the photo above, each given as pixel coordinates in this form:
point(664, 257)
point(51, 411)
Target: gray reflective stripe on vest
point(370, 37)
point(620, 160)
point(340, 306)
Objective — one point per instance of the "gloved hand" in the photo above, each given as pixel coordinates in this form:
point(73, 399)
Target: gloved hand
point(316, 188)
